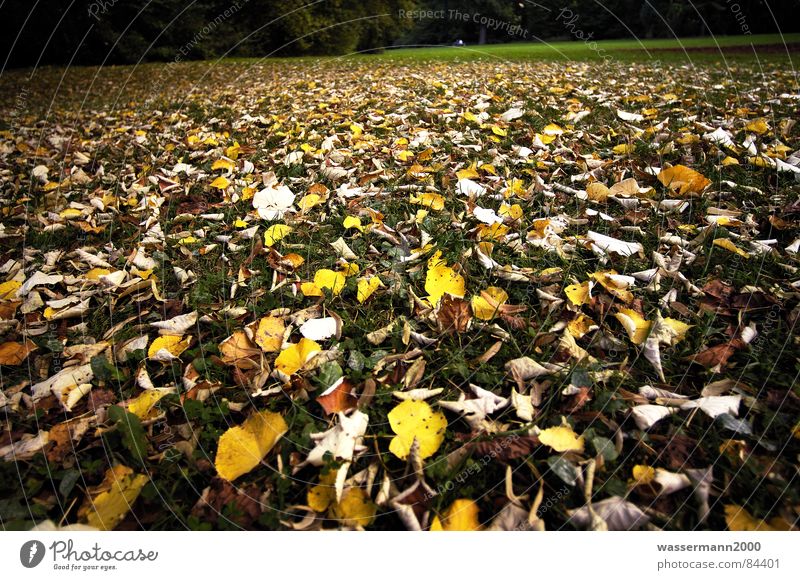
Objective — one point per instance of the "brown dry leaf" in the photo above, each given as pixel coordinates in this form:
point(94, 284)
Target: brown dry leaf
point(716, 357)
point(238, 349)
point(13, 353)
point(453, 314)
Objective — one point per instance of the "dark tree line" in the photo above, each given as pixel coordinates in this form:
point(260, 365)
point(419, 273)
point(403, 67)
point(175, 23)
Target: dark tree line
point(520, 20)
point(127, 31)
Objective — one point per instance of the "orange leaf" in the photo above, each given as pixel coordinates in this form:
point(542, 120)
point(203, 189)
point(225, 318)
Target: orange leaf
point(13, 353)
point(338, 398)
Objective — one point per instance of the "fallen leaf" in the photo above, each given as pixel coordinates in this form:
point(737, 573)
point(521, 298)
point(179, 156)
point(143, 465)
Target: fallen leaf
point(241, 448)
point(338, 397)
point(108, 503)
point(355, 508)
point(14, 353)
point(487, 305)
point(269, 333)
point(441, 280)
point(294, 358)
point(561, 438)
point(461, 516)
point(683, 180)
point(412, 420)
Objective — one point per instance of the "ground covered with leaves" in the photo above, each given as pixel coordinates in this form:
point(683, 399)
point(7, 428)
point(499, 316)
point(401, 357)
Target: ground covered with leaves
point(425, 296)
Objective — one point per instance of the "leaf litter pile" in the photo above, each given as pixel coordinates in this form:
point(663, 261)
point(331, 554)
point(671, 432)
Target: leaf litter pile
point(401, 296)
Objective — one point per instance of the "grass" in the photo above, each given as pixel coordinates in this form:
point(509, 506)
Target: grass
point(633, 50)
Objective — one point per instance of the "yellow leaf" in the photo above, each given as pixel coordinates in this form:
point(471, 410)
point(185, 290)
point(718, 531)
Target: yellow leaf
point(309, 201)
point(310, 289)
point(512, 211)
point(70, 213)
point(613, 285)
point(578, 294)
point(643, 474)
point(515, 187)
point(731, 247)
point(269, 334)
point(552, 130)
point(461, 516)
point(416, 420)
point(561, 438)
point(349, 269)
point(757, 126)
point(276, 232)
point(220, 183)
point(242, 448)
point(431, 200)
point(320, 497)
point(175, 345)
point(487, 304)
point(296, 260)
point(95, 273)
point(328, 279)
point(404, 155)
point(109, 503)
point(637, 327)
point(468, 173)
point(223, 163)
point(355, 509)
point(597, 191)
point(142, 405)
point(740, 520)
point(580, 325)
point(499, 131)
point(623, 149)
point(492, 232)
point(294, 358)
point(232, 151)
point(9, 289)
point(353, 222)
point(730, 161)
point(367, 287)
point(442, 279)
point(678, 328)
point(683, 180)
point(470, 116)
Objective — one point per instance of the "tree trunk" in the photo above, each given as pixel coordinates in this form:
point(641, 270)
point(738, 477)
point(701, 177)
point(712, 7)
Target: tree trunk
point(482, 36)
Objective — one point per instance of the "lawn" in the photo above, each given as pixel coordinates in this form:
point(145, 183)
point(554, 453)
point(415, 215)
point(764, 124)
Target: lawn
point(434, 288)
point(688, 49)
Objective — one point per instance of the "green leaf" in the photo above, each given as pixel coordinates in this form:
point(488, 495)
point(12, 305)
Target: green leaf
point(104, 370)
point(68, 482)
point(356, 361)
point(329, 373)
point(605, 447)
point(567, 472)
point(129, 426)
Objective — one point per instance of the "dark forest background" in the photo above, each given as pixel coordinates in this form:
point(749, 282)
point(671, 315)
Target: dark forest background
point(37, 32)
